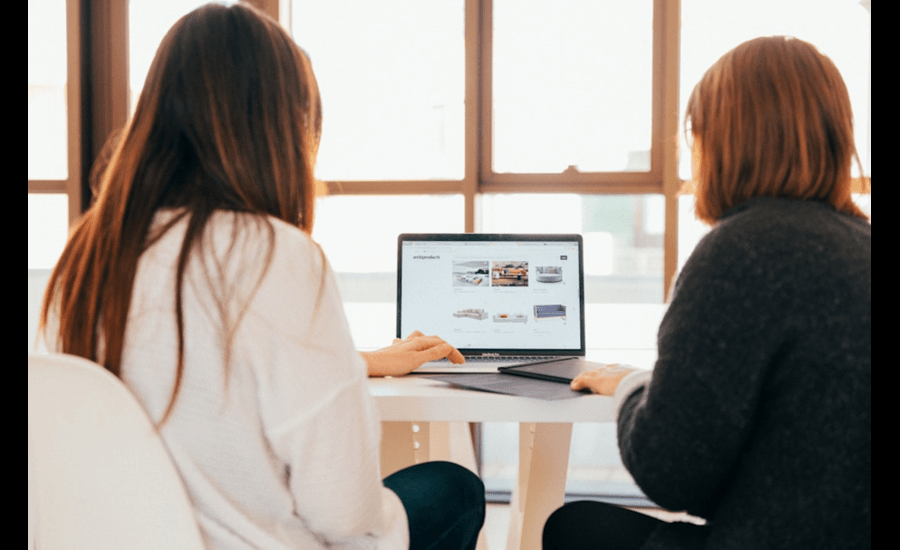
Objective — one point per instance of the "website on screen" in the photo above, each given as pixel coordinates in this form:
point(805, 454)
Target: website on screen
point(503, 295)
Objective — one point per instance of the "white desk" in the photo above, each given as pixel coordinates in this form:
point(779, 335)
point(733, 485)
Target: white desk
point(419, 415)
point(623, 333)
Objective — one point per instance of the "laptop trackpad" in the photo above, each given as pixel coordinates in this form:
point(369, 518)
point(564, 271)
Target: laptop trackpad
point(444, 366)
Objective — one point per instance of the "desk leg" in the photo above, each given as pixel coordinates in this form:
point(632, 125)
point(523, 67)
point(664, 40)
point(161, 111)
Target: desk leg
point(406, 443)
point(543, 465)
point(398, 447)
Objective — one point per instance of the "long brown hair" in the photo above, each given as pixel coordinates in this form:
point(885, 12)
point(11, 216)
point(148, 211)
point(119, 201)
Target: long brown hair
point(773, 118)
point(229, 119)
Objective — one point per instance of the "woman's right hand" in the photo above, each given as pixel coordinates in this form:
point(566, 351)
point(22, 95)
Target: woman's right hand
point(604, 380)
point(405, 355)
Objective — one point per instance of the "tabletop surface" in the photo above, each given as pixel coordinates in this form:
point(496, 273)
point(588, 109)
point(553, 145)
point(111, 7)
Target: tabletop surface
point(417, 398)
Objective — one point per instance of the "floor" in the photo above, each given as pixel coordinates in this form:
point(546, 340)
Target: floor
point(496, 523)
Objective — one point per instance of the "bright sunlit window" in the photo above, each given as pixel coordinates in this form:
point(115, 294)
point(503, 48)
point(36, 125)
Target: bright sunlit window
point(392, 76)
point(48, 156)
point(841, 29)
point(572, 85)
point(569, 90)
point(623, 237)
point(148, 23)
point(47, 122)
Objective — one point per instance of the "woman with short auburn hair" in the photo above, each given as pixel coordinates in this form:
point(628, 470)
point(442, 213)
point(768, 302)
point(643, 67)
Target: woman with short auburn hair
point(771, 118)
point(194, 279)
point(756, 418)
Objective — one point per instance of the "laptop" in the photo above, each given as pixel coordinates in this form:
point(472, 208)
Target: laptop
point(563, 371)
point(500, 299)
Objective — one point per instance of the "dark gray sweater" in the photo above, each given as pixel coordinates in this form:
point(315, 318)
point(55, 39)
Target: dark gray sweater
point(758, 416)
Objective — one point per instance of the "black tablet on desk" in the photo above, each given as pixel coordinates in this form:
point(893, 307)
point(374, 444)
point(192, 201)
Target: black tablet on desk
point(564, 370)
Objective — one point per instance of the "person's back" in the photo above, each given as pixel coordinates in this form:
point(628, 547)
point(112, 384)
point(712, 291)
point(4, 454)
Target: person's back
point(805, 474)
point(757, 414)
point(278, 418)
point(193, 277)
point(766, 363)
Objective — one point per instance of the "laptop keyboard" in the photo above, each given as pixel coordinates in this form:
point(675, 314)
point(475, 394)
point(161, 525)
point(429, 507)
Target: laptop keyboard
point(510, 359)
point(483, 364)
point(503, 361)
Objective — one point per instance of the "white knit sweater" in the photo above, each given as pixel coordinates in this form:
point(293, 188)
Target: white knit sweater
point(280, 447)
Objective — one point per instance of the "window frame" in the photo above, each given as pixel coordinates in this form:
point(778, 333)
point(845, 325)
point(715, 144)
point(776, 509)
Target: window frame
point(97, 90)
point(71, 185)
point(479, 179)
point(98, 96)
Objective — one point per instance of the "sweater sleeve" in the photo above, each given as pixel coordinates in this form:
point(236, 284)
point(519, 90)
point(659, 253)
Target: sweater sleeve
point(318, 415)
point(682, 436)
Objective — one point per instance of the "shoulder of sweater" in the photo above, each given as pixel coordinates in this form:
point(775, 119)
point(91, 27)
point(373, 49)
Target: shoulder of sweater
point(765, 223)
point(776, 213)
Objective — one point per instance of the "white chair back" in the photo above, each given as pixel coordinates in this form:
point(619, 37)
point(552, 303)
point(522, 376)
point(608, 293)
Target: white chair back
point(99, 475)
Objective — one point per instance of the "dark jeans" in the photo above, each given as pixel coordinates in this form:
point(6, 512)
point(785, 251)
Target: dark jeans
point(444, 503)
point(594, 525)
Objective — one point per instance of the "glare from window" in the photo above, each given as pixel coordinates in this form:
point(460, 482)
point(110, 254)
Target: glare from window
point(623, 237)
point(47, 73)
point(572, 83)
point(864, 202)
point(148, 23)
point(359, 237)
point(841, 29)
point(392, 78)
point(48, 215)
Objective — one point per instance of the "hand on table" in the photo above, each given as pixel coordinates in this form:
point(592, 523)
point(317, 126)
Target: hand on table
point(405, 355)
point(604, 380)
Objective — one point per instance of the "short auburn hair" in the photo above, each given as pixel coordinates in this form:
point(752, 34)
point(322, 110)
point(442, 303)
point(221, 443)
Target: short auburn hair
point(773, 118)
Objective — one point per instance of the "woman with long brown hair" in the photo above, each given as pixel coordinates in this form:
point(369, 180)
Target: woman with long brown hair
point(193, 278)
point(757, 415)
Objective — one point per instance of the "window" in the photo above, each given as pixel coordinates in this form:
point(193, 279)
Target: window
point(391, 75)
point(148, 22)
point(623, 237)
point(359, 236)
point(414, 120)
point(48, 132)
point(536, 117)
point(474, 115)
point(540, 136)
point(841, 29)
point(47, 75)
point(571, 86)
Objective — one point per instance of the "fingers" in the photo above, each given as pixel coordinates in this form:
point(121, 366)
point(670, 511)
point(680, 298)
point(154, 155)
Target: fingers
point(412, 335)
point(580, 382)
point(435, 348)
point(604, 380)
point(592, 380)
point(455, 356)
point(433, 353)
point(432, 347)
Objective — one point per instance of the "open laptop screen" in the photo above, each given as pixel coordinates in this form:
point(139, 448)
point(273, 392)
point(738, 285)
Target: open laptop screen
point(487, 293)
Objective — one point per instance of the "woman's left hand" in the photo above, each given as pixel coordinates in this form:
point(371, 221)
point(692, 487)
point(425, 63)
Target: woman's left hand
point(409, 353)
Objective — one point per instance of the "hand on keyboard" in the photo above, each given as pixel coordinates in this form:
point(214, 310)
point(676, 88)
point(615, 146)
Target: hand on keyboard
point(406, 354)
